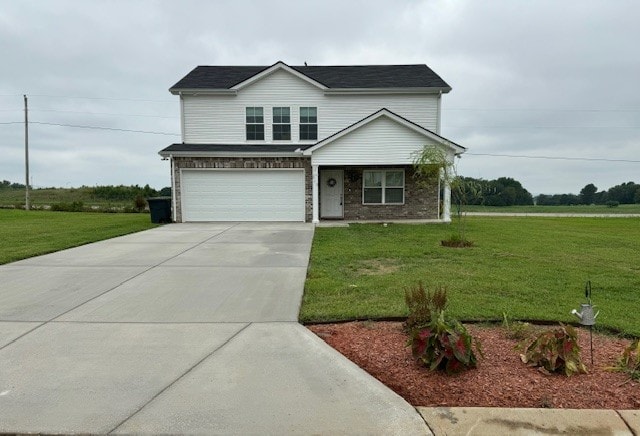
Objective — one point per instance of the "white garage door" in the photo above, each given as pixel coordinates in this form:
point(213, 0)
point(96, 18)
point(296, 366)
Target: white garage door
point(243, 195)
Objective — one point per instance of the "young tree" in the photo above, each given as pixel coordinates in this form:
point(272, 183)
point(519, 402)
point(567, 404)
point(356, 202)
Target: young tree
point(433, 164)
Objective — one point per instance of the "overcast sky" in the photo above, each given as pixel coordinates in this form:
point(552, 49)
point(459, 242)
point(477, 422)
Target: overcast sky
point(553, 79)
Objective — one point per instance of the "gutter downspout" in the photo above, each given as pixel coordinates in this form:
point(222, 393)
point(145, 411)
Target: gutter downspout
point(173, 192)
point(439, 120)
point(181, 117)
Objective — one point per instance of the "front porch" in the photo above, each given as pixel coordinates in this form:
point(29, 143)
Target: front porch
point(373, 193)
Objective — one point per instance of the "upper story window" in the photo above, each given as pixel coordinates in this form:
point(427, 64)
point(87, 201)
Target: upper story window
point(308, 123)
point(281, 123)
point(255, 123)
point(383, 187)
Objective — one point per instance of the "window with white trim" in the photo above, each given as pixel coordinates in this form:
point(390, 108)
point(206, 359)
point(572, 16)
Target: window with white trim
point(308, 123)
point(383, 187)
point(281, 124)
point(255, 124)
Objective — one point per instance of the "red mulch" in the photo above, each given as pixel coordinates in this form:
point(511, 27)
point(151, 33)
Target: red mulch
point(500, 380)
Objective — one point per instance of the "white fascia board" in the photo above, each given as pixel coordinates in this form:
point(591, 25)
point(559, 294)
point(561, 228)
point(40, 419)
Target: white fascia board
point(382, 91)
point(197, 91)
point(386, 113)
point(272, 69)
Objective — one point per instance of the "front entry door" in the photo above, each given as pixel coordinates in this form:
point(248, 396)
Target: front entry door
point(331, 193)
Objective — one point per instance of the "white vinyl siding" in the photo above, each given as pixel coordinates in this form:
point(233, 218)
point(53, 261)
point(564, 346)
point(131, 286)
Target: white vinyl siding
point(383, 141)
point(243, 195)
point(221, 119)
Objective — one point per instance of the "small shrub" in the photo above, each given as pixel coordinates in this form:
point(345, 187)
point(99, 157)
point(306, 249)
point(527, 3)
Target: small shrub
point(629, 362)
point(435, 342)
point(422, 304)
point(516, 330)
point(76, 206)
point(139, 203)
point(612, 203)
point(456, 241)
point(444, 345)
point(555, 351)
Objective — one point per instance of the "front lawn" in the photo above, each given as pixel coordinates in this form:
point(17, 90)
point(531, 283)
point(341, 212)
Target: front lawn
point(31, 233)
point(529, 268)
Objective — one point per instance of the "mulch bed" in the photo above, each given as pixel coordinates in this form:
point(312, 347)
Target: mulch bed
point(500, 380)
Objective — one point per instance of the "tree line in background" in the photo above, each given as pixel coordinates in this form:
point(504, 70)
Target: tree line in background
point(503, 191)
point(107, 192)
point(625, 193)
point(506, 191)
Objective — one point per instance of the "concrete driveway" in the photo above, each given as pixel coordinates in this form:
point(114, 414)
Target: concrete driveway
point(187, 328)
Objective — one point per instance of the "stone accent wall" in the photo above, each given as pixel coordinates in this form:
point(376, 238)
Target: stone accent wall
point(242, 162)
point(419, 203)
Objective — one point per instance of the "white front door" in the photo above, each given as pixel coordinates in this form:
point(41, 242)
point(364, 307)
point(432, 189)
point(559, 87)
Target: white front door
point(331, 193)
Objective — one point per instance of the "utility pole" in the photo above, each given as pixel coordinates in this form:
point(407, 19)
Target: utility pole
point(26, 152)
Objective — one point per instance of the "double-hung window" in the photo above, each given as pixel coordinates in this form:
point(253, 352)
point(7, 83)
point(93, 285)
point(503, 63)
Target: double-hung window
point(383, 187)
point(281, 124)
point(308, 123)
point(255, 124)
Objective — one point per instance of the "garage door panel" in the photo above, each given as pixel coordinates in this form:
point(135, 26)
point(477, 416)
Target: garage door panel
point(243, 195)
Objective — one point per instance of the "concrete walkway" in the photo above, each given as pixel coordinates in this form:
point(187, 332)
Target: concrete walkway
point(187, 328)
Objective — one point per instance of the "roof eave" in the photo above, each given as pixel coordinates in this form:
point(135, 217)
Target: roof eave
point(420, 90)
point(202, 91)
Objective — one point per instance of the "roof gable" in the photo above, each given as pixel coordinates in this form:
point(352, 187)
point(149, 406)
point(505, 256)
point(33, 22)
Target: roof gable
point(456, 148)
point(343, 77)
point(278, 66)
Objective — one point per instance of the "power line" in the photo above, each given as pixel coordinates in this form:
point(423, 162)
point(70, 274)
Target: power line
point(555, 157)
point(542, 127)
point(537, 110)
point(104, 113)
point(102, 98)
point(13, 122)
point(106, 128)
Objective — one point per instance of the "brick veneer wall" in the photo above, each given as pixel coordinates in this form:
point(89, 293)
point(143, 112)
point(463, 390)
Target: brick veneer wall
point(419, 203)
point(242, 162)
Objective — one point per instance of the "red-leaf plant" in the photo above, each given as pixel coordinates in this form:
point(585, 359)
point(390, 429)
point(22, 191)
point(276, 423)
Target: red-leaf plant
point(444, 345)
point(554, 351)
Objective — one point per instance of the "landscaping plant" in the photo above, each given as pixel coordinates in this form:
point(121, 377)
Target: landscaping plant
point(438, 343)
point(555, 350)
point(629, 362)
point(433, 165)
point(519, 330)
point(422, 304)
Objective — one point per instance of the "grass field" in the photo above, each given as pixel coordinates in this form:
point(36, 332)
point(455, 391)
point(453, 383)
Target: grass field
point(529, 268)
point(49, 196)
point(594, 208)
point(30, 233)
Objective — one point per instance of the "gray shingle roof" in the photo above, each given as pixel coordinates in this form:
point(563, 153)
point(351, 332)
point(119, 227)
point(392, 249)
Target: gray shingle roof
point(336, 77)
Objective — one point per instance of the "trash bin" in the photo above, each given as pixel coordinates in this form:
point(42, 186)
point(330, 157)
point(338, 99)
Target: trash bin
point(160, 209)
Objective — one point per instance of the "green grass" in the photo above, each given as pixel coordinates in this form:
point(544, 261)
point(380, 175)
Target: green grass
point(49, 196)
point(31, 233)
point(529, 268)
point(595, 208)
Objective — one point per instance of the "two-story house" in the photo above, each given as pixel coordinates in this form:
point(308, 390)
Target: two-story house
point(307, 143)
